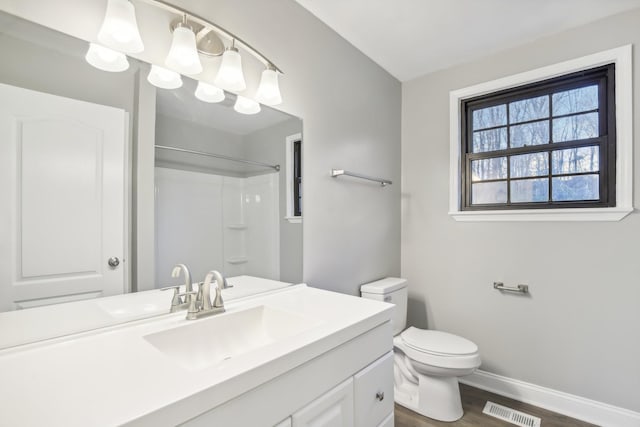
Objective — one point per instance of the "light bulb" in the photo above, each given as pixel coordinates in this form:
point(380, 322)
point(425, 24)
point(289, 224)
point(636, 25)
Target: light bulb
point(230, 76)
point(269, 90)
point(246, 106)
point(163, 78)
point(119, 29)
point(183, 55)
point(209, 93)
point(106, 59)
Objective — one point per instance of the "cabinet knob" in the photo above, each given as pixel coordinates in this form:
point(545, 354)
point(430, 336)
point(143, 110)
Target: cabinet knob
point(380, 396)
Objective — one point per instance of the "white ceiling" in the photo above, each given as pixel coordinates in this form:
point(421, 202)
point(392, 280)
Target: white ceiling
point(410, 38)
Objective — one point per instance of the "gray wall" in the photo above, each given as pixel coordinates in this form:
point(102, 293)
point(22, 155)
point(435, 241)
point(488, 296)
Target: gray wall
point(351, 113)
point(350, 108)
point(579, 331)
point(268, 145)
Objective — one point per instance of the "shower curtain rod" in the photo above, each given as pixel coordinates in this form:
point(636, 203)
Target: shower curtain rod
point(219, 156)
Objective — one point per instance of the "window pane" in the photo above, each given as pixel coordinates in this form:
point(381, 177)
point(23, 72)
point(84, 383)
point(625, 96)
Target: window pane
point(530, 190)
point(530, 134)
point(575, 160)
point(580, 187)
point(575, 100)
point(490, 140)
point(524, 165)
point(490, 117)
point(529, 109)
point(572, 128)
point(489, 192)
point(485, 169)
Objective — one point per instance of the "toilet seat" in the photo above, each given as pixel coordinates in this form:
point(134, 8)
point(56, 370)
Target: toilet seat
point(438, 349)
point(438, 342)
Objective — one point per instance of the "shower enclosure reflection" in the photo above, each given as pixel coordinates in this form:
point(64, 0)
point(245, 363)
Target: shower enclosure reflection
point(219, 180)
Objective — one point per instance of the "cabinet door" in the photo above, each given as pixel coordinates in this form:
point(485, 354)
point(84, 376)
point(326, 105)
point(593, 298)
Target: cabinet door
point(332, 409)
point(373, 392)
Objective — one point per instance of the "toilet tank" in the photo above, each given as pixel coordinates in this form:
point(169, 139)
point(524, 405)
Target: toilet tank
point(394, 291)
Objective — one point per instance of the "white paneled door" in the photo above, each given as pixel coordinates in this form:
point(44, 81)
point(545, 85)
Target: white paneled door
point(62, 189)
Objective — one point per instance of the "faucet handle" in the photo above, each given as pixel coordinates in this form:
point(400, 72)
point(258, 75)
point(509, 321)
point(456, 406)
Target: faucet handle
point(176, 300)
point(217, 301)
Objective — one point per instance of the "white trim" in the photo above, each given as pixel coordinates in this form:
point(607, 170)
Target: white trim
point(289, 140)
point(557, 401)
point(622, 57)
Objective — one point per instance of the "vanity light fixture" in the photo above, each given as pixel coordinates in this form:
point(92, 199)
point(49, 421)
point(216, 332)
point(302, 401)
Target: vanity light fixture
point(245, 105)
point(106, 59)
point(192, 36)
point(209, 93)
point(269, 91)
point(119, 29)
point(163, 78)
point(183, 54)
point(230, 76)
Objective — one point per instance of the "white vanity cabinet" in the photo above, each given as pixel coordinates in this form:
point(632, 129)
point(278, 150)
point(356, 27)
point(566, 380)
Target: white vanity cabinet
point(349, 386)
point(365, 400)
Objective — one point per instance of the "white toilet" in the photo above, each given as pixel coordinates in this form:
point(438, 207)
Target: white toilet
point(427, 363)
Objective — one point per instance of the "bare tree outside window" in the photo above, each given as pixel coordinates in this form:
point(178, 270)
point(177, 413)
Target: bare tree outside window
point(547, 144)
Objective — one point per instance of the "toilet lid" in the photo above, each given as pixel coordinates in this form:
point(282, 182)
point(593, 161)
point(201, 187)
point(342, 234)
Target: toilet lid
point(438, 342)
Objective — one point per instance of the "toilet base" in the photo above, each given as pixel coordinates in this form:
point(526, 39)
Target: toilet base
point(432, 396)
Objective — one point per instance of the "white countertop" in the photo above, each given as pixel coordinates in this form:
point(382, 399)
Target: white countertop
point(39, 323)
point(114, 376)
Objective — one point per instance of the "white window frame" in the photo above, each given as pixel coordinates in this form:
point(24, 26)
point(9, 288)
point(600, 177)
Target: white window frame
point(289, 140)
point(622, 58)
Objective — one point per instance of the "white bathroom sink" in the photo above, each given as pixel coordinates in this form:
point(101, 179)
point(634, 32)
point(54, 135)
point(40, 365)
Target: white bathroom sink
point(203, 343)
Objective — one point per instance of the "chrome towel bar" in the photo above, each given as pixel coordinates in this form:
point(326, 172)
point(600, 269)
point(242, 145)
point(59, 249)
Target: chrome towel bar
point(521, 289)
point(337, 172)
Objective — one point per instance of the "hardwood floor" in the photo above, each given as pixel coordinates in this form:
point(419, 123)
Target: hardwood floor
point(473, 401)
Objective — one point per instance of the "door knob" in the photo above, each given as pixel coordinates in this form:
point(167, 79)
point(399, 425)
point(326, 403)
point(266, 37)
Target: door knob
point(113, 262)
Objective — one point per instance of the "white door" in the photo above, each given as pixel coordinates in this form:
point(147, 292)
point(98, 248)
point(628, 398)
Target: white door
point(62, 209)
point(332, 409)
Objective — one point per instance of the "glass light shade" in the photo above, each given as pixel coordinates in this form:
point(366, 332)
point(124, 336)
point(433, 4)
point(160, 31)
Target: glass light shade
point(106, 59)
point(269, 90)
point(163, 78)
point(209, 93)
point(246, 106)
point(230, 76)
point(183, 55)
point(119, 29)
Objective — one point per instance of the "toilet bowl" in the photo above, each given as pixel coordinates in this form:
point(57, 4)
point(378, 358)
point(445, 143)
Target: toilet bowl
point(427, 363)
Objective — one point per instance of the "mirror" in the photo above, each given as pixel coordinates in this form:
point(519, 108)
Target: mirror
point(70, 232)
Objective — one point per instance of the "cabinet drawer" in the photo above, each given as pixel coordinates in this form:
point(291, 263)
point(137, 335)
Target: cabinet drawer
point(373, 392)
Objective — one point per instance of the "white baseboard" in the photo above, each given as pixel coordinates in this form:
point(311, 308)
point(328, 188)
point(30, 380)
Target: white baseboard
point(567, 404)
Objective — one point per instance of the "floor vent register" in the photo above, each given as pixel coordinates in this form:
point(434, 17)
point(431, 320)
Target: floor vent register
point(511, 415)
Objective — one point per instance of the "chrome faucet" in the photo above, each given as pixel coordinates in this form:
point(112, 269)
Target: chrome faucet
point(201, 305)
point(175, 273)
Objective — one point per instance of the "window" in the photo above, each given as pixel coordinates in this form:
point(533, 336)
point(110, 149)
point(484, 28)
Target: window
point(297, 178)
point(294, 178)
point(553, 143)
point(545, 145)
